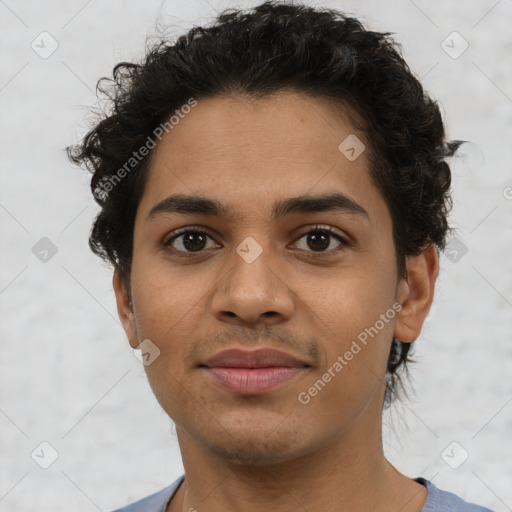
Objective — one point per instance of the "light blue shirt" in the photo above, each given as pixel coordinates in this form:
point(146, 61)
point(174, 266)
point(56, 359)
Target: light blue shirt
point(437, 500)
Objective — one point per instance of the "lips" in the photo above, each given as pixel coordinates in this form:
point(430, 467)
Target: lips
point(262, 358)
point(253, 372)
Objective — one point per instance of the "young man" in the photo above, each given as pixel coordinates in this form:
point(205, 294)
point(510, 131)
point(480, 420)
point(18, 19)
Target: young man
point(274, 195)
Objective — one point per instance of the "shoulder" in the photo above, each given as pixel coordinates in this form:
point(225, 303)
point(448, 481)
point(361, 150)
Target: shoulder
point(156, 502)
point(443, 501)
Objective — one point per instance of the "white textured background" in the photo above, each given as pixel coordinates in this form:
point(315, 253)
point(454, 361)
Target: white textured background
point(67, 374)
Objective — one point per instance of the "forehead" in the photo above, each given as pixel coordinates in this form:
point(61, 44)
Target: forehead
point(248, 152)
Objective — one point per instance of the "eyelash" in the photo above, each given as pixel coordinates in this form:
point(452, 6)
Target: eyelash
point(317, 228)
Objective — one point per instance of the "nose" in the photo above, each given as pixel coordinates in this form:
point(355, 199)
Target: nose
point(253, 291)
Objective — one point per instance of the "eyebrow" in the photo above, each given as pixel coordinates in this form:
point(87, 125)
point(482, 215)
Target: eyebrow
point(184, 204)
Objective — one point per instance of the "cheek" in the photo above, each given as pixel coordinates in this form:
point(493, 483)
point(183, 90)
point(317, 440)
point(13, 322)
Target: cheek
point(354, 314)
point(166, 301)
point(164, 314)
point(357, 348)
point(167, 311)
point(347, 302)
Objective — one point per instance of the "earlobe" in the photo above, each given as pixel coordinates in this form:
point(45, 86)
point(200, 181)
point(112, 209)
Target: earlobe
point(124, 308)
point(415, 294)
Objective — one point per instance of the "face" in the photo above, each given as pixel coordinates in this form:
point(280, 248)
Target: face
point(259, 264)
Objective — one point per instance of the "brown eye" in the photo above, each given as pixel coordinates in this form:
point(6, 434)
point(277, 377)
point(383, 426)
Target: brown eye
point(189, 241)
point(320, 239)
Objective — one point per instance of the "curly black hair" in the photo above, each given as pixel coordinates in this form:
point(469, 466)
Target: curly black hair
point(273, 47)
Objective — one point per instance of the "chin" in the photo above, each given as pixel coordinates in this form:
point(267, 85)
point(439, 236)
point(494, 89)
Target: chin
point(254, 452)
point(253, 443)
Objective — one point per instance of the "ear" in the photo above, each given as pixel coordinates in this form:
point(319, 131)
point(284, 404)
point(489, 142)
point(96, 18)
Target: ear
point(415, 293)
point(124, 309)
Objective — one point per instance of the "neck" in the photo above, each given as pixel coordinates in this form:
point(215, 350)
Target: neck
point(349, 470)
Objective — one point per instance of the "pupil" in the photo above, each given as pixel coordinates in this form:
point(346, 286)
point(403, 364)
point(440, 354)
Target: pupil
point(189, 243)
point(322, 237)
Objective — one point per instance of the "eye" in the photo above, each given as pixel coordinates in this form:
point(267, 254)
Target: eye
point(319, 240)
point(191, 239)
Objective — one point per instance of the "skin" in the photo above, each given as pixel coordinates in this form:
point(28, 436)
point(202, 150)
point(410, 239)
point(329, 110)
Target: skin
point(248, 452)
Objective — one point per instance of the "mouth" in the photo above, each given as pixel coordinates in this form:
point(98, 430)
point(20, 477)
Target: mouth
point(253, 372)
